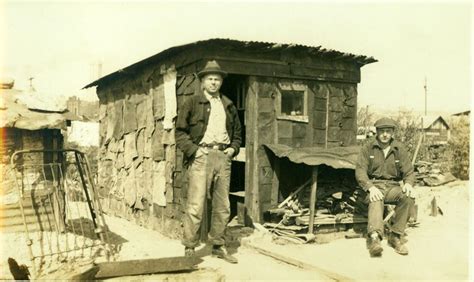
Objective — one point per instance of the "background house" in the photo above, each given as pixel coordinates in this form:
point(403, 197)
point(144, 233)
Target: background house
point(436, 130)
point(29, 122)
point(287, 95)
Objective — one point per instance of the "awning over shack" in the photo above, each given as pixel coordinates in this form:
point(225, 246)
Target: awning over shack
point(337, 157)
point(25, 111)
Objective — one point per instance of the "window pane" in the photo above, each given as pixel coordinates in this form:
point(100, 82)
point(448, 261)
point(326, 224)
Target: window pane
point(292, 103)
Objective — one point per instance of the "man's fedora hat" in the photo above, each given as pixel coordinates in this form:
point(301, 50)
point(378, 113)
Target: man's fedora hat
point(212, 67)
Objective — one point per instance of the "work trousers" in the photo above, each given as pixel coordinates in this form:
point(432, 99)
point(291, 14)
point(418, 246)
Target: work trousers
point(209, 178)
point(393, 195)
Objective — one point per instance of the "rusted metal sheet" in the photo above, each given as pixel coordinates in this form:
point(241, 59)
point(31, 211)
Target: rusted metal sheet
point(118, 119)
point(129, 116)
point(130, 149)
point(150, 121)
point(157, 146)
point(159, 101)
point(141, 114)
point(342, 157)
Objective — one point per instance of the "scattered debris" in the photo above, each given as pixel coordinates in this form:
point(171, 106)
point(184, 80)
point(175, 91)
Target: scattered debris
point(339, 208)
point(428, 173)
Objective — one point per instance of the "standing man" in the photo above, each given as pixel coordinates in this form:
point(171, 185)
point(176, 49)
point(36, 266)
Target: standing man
point(208, 132)
point(381, 165)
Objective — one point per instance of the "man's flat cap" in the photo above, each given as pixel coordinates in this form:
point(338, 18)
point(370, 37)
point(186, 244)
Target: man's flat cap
point(385, 122)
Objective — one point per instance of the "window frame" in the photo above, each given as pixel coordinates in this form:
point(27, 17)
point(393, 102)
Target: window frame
point(287, 85)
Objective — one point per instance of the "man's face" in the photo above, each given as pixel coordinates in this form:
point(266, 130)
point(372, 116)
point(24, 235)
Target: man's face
point(385, 134)
point(212, 83)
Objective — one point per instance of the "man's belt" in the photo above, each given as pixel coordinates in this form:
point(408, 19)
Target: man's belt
point(385, 181)
point(220, 147)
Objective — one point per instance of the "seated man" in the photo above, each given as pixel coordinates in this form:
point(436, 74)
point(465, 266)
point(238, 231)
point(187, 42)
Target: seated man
point(382, 163)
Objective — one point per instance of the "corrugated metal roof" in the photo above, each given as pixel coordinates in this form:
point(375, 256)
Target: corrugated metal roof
point(465, 113)
point(23, 110)
point(337, 157)
point(253, 46)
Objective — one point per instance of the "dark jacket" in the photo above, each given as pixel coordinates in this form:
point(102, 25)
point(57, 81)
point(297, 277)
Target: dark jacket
point(193, 118)
point(383, 168)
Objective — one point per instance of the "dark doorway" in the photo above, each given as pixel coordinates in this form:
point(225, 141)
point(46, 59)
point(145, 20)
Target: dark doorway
point(235, 87)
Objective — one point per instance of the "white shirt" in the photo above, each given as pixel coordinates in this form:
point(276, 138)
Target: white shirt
point(385, 151)
point(216, 131)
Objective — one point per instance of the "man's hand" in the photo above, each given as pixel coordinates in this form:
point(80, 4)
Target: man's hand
point(375, 194)
point(408, 190)
point(201, 151)
point(229, 152)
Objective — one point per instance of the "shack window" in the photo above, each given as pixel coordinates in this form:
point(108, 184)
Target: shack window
point(293, 101)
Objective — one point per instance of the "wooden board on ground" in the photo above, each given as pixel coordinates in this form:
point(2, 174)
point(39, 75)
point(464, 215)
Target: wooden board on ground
point(304, 220)
point(138, 267)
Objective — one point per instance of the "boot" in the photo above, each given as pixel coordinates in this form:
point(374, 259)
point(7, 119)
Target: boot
point(395, 242)
point(189, 252)
point(374, 246)
point(221, 252)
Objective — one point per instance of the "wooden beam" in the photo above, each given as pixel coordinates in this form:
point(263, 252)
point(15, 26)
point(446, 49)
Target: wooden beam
point(276, 182)
point(312, 200)
point(138, 267)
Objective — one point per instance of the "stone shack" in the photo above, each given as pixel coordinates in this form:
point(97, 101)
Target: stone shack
point(286, 94)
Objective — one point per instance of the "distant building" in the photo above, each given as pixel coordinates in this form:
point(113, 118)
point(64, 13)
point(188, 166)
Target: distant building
point(82, 110)
point(82, 122)
point(26, 123)
point(436, 129)
point(465, 113)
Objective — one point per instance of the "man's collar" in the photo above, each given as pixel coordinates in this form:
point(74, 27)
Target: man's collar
point(225, 101)
point(209, 96)
point(393, 143)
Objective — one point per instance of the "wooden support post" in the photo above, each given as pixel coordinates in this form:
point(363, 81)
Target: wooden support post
point(434, 207)
point(417, 148)
point(312, 200)
point(275, 183)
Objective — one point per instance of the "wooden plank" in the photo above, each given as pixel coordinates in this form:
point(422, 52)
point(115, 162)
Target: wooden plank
point(333, 134)
point(274, 68)
point(300, 130)
point(327, 118)
point(306, 220)
point(285, 129)
point(335, 119)
point(312, 199)
point(138, 267)
point(251, 172)
point(326, 74)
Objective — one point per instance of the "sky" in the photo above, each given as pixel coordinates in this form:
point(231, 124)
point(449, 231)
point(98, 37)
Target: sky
point(61, 43)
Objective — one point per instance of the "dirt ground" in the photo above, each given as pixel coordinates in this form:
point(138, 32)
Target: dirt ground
point(439, 246)
point(439, 249)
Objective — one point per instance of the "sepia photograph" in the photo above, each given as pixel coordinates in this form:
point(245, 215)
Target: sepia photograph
point(235, 140)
